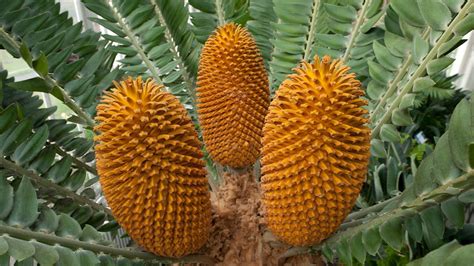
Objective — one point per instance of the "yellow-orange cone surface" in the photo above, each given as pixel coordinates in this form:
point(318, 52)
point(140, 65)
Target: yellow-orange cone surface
point(315, 152)
point(151, 169)
point(233, 96)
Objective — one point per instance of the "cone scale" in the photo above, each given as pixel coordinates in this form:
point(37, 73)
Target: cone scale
point(233, 96)
point(315, 152)
point(151, 171)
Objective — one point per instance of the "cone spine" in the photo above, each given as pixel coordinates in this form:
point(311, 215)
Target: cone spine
point(233, 96)
point(151, 170)
point(315, 152)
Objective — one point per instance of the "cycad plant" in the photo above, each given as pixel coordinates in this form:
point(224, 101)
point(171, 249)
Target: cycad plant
point(306, 114)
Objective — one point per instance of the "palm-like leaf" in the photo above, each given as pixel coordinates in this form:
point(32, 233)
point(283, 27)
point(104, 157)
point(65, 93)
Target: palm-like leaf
point(399, 50)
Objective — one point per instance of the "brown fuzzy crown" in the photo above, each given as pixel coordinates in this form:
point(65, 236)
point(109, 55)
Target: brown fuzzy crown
point(233, 96)
point(315, 152)
point(150, 168)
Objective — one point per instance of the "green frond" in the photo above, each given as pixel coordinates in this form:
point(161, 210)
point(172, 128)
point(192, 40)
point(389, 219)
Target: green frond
point(422, 58)
point(451, 253)
point(35, 231)
point(174, 16)
point(260, 25)
point(45, 150)
point(206, 18)
point(295, 30)
point(73, 65)
point(428, 197)
point(155, 39)
point(420, 176)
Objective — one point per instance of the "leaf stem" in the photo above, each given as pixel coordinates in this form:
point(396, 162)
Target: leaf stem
point(291, 252)
point(9, 39)
point(393, 84)
point(184, 72)
point(463, 182)
point(351, 224)
point(52, 83)
point(76, 161)
point(39, 181)
point(420, 203)
point(355, 31)
point(370, 210)
point(220, 13)
point(50, 239)
point(135, 42)
point(421, 68)
point(312, 29)
point(70, 103)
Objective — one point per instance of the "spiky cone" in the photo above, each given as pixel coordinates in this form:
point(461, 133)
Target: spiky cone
point(151, 169)
point(315, 152)
point(233, 96)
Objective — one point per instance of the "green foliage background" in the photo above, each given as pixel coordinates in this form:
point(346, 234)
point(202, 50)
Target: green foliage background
point(416, 201)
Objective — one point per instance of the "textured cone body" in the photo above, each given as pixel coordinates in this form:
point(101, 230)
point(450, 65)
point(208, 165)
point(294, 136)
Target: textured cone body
point(315, 152)
point(233, 96)
point(150, 168)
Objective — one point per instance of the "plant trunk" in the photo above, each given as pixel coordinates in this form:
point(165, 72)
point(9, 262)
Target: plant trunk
point(238, 234)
